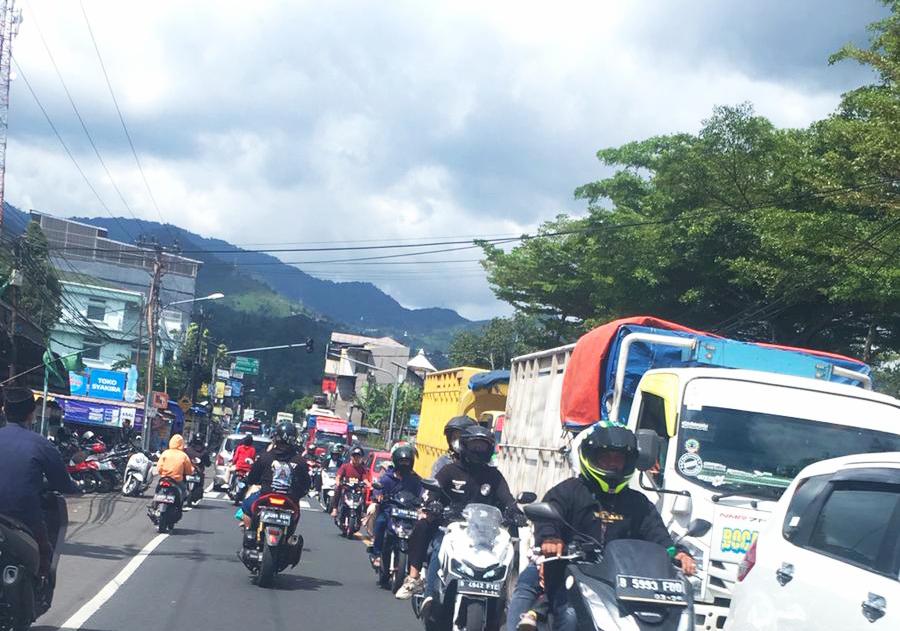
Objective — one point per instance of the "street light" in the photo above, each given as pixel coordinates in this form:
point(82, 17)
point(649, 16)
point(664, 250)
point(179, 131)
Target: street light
point(215, 296)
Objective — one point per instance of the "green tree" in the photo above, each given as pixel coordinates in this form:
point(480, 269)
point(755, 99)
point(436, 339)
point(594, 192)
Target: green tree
point(499, 341)
point(375, 402)
point(40, 294)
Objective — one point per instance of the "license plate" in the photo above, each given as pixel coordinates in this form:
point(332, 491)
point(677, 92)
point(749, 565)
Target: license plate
point(165, 499)
point(478, 588)
point(651, 590)
point(280, 518)
point(404, 513)
point(192, 478)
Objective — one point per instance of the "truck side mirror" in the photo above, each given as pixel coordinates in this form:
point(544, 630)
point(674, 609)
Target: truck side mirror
point(648, 447)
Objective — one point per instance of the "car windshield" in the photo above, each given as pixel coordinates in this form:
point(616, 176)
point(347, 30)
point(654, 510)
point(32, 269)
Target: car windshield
point(382, 463)
point(323, 438)
point(758, 453)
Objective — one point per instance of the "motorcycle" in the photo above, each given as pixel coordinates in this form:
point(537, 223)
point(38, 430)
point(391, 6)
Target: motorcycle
point(476, 556)
point(194, 484)
point(238, 483)
point(626, 584)
point(84, 474)
point(138, 474)
point(402, 513)
point(352, 506)
point(315, 475)
point(326, 490)
point(166, 508)
point(271, 544)
point(105, 471)
point(23, 595)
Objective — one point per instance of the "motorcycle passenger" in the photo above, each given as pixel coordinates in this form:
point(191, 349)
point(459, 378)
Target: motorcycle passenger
point(242, 453)
point(398, 479)
point(281, 469)
point(470, 480)
point(26, 458)
point(353, 470)
point(599, 504)
point(452, 432)
point(174, 463)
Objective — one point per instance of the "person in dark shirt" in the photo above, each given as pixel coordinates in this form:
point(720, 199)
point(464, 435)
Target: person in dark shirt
point(26, 460)
point(471, 480)
point(399, 479)
point(452, 432)
point(599, 504)
point(281, 469)
point(126, 433)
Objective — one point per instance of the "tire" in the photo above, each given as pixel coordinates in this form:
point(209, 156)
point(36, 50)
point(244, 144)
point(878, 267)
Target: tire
point(163, 522)
point(90, 484)
point(267, 567)
point(400, 559)
point(104, 483)
point(476, 616)
point(130, 486)
point(395, 573)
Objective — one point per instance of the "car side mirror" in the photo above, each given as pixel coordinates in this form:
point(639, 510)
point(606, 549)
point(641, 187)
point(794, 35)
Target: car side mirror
point(648, 447)
point(526, 497)
point(697, 528)
point(542, 511)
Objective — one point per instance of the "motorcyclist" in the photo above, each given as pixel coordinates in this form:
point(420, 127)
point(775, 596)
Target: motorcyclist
point(126, 433)
point(197, 449)
point(26, 458)
point(281, 469)
point(597, 503)
point(243, 452)
point(335, 456)
point(452, 431)
point(353, 470)
point(397, 479)
point(174, 463)
point(470, 480)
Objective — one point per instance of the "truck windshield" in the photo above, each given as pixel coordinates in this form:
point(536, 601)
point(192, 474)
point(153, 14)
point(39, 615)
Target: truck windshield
point(757, 449)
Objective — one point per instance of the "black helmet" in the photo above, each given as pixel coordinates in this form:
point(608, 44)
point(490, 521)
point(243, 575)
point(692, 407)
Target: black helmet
point(457, 424)
point(357, 451)
point(603, 438)
point(337, 449)
point(476, 445)
point(285, 433)
point(404, 457)
point(196, 439)
point(247, 441)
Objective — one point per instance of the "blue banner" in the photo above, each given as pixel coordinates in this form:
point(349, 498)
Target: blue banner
point(107, 384)
point(104, 414)
point(237, 387)
point(78, 384)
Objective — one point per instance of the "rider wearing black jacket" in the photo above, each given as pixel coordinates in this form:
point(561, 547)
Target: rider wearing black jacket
point(471, 480)
point(281, 469)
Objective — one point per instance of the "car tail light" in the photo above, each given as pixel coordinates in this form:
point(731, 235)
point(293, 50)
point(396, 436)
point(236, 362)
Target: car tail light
point(220, 461)
point(748, 562)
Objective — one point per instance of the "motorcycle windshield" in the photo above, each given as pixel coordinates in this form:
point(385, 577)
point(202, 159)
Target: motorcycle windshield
point(482, 524)
point(631, 557)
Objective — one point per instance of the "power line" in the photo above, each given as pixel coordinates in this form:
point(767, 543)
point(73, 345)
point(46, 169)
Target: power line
point(66, 148)
point(115, 101)
point(84, 126)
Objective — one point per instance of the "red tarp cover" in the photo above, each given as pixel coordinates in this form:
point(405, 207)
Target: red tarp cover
point(331, 425)
point(580, 400)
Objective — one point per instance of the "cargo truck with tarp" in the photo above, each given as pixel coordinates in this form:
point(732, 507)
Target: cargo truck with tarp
point(736, 421)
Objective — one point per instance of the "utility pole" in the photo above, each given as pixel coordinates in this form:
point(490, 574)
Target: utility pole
point(15, 283)
point(10, 18)
point(159, 269)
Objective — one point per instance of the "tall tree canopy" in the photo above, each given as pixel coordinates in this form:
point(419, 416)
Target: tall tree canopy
point(788, 235)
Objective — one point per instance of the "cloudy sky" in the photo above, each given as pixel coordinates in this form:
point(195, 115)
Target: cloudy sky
point(294, 122)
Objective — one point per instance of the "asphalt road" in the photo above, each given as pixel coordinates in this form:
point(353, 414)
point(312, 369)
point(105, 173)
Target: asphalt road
point(194, 580)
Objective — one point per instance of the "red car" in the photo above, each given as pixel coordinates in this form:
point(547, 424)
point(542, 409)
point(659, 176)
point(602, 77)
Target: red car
point(377, 463)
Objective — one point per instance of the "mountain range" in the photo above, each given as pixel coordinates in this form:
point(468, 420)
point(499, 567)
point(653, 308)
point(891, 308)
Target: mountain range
point(254, 281)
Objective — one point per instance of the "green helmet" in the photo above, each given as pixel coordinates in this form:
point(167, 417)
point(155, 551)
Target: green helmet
point(603, 438)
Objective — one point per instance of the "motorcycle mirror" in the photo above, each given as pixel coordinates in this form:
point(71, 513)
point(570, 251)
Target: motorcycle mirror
point(248, 460)
point(432, 485)
point(526, 497)
point(648, 447)
point(542, 511)
point(697, 528)
point(377, 485)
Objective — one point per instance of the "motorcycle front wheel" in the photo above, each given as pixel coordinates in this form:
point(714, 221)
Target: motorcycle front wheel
point(89, 484)
point(476, 615)
point(130, 486)
point(267, 567)
point(399, 569)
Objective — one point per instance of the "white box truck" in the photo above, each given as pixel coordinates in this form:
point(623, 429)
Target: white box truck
point(737, 422)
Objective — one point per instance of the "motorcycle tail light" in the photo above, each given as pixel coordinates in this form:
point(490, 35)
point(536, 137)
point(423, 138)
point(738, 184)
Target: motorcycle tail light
point(98, 448)
point(165, 483)
point(276, 501)
point(273, 536)
point(748, 563)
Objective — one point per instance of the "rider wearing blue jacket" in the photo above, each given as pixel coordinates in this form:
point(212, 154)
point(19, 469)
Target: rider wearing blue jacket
point(401, 478)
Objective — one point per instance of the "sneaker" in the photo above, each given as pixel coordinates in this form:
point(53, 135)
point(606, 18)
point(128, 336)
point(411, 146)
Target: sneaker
point(425, 608)
point(376, 561)
point(528, 622)
point(411, 586)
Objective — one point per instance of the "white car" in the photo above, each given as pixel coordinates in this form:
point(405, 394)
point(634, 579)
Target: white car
point(223, 458)
point(829, 557)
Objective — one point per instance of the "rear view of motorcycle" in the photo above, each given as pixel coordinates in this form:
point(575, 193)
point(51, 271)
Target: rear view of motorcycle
point(166, 508)
point(271, 544)
point(138, 474)
point(23, 595)
point(194, 484)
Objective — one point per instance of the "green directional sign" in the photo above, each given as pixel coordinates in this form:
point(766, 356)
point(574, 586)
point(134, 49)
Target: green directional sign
point(247, 365)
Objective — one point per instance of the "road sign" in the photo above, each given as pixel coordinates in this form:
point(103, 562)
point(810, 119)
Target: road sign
point(247, 365)
point(221, 373)
point(184, 403)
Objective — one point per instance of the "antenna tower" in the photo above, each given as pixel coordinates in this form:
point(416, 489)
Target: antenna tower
point(10, 18)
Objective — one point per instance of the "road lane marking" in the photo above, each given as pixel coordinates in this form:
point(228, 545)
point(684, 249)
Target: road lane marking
point(93, 605)
point(210, 487)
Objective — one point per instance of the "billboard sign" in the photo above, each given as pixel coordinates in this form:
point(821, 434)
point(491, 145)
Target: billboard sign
point(247, 365)
point(107, 384)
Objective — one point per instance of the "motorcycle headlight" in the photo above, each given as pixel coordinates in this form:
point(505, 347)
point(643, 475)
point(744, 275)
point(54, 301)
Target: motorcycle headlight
point(602, 618)
point(458, 567)
point(495, 573)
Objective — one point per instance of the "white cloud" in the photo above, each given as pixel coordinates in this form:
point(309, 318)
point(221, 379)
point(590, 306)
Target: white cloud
point(276, 121)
